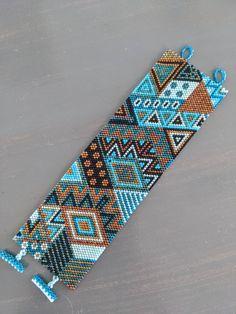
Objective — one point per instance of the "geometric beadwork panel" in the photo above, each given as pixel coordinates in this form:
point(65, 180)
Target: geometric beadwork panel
point(84, 226)
point(101, 190)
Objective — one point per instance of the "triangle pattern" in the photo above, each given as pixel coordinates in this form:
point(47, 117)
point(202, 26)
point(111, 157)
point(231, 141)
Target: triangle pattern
point(86, 202)
point(166, 116)
point(52, 199)
point(69, 200)
point(163, 72)
point(199, 122)
point(121, 112)
point(190, 118)
point(153, 119)
point(145, 88)
point(177, 139)
point(199, 101)
point(72, 174)
point(141, 115)
point(189, 73)
point(125, 114)
point(39, 235)
point(177, 121)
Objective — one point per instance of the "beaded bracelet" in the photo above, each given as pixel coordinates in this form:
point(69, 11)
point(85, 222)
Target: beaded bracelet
point(97, 195)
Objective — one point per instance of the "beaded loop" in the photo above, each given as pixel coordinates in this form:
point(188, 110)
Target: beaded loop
point(186, 52)
point(219, 75)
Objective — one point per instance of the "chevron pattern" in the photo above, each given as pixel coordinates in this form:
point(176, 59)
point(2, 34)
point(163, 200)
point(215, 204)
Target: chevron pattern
point(100, 191)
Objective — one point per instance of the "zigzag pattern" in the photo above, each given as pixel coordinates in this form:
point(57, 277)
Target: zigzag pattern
point(132, 154)
point(101, 190)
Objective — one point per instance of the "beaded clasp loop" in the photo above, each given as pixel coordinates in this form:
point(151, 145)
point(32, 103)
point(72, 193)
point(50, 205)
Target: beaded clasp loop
point(46, 288)
point(12, 260)
point(219, 75)
point(186, 52)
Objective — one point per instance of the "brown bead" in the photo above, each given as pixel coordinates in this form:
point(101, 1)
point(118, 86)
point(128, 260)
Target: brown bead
point(87, 163)
point(96, 155)
point(105, 182)
point(99, 164)
point(102, 173)
point(93, 181)
point(93, 146)
point(84, 155)
point(90, 172)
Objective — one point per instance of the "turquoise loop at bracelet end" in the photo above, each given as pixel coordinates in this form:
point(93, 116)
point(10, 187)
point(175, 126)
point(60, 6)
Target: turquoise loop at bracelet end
point(187, 52)
point(219, 75)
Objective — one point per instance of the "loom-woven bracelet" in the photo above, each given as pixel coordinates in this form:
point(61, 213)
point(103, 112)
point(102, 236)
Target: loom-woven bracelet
point(97, 195)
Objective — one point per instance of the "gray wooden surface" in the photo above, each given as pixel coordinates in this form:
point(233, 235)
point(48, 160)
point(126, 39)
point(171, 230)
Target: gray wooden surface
point(64, 67)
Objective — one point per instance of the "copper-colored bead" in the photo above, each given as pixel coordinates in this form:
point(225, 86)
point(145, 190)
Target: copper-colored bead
point(96, 155)
point(105, 182)
point(90, 172)
point(102, 173)
point(87, 163)
point(93, 146)
point(93, 181)
point(84, 155)
point(98, 164)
